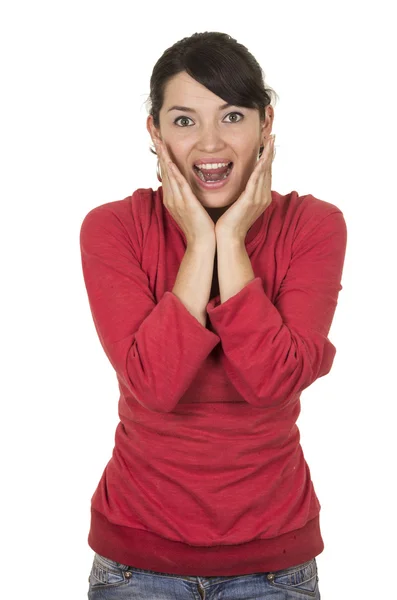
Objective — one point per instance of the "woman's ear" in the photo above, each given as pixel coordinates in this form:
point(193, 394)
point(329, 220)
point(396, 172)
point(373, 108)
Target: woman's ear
point(268, 122)
point(153, 132)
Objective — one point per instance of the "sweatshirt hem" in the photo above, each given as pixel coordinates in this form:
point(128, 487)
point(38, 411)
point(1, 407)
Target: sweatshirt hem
point(143, 549)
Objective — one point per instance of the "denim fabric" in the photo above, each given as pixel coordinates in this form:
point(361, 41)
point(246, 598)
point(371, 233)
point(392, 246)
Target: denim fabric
point(111, 580)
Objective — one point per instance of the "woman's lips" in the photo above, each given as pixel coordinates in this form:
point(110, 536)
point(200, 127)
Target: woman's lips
point(222, 170)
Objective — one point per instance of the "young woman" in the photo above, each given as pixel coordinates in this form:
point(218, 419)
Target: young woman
point(212, 297)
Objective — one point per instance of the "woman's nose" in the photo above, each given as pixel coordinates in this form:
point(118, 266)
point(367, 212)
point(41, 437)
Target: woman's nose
point(210, 138)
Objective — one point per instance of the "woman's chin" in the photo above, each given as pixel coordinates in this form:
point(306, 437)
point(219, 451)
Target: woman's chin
point(213, 197)
point(221, 198)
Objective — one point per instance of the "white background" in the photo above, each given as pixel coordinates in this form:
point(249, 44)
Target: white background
point(74, 78)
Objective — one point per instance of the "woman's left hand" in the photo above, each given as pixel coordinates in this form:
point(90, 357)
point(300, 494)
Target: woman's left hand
point(243, 213)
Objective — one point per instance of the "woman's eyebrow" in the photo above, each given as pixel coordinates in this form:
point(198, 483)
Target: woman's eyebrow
point(187, 109)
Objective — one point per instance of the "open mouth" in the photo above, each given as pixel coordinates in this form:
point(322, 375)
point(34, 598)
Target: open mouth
point(213, 175)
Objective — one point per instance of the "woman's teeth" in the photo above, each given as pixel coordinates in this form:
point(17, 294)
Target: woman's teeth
point(209, 166)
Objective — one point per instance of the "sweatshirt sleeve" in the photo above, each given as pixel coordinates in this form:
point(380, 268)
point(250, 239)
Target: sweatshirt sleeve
point(271, 352)
point(156, 349)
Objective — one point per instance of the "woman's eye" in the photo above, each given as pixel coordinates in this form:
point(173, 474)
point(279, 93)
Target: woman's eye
point(235, 113)
point(182, 119)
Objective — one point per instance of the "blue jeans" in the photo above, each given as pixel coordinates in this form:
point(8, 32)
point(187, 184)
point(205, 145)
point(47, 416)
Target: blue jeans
point(111, 580)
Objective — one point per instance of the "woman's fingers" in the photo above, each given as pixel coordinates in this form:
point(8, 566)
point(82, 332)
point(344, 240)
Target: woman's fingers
point(256, 177)
point(171, 180)
point(162, 152)
point(177, 181)
point(263, 187)
point(164, 159)
point(261, 170)
point(163, 165)
point(175, 186)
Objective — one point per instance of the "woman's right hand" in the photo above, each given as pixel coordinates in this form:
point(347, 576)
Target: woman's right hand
point(183, 205)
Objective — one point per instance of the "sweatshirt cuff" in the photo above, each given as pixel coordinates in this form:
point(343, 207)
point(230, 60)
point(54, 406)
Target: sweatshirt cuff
point(189, 323)
point(251, 301)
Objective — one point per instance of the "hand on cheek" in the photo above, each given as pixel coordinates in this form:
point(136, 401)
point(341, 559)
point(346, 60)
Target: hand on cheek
point(256, 197)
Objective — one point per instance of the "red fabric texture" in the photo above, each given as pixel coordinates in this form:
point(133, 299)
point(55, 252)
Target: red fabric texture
point(207, 475)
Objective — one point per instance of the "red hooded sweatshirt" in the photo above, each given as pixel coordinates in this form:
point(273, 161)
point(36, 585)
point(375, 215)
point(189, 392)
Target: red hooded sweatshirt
point(207, 475)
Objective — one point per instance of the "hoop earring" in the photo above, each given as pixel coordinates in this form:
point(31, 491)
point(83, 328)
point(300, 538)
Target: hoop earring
point(158, 171)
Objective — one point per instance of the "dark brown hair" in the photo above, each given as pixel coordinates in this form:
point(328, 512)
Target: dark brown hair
point(218, 62)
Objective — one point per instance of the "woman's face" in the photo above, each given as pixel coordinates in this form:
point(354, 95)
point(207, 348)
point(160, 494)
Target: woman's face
point(207, 131)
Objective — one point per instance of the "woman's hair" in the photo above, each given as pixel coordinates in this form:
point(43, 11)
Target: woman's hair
point(218, 62)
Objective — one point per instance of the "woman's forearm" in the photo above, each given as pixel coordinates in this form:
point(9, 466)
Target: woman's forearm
point(193, 282)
